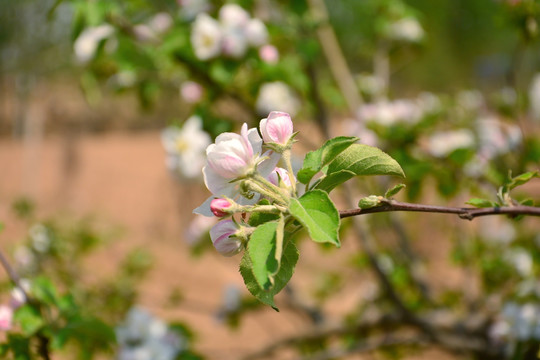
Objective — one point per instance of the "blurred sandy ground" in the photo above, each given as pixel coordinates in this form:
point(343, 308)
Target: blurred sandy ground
point(121, 179)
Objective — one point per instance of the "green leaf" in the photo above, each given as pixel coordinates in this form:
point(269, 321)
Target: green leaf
point(361, 160)
point(527, 202)
point(481, 203)
point(318, 214)
point(393, 191)
point(522, 179)
point(288, 262)
point(316, 160)
point(44, 291)
point(1, 226)
point(29, 318)
point(262, 253)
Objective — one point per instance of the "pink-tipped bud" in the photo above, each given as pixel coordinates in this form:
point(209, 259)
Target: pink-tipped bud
point(277, 128)
point(218, 206)
point(222, 235)
point(6, 317)
point(280, 173)
point(269, 54)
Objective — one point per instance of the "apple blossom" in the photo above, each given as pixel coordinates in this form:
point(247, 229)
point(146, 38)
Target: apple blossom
point(87, 43)
point(206, 37)
point(277, 128)
point(234, 42)
point(222, 235)
point(407, 29)
point(6, 317)
point(233, 16)
point(441, 144)
point(191, 92)
point(185, 147)
point(256, 33)
point(269, 54)
point(280, 173)
point(276, 96)
point(218, 205)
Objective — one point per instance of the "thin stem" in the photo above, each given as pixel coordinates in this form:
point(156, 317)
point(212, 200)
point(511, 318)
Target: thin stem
point(286, 155)
point(335, 57)
point(463, 213)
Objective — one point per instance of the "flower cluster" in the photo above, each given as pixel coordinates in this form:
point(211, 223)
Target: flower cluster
point(143, 336)
point(242, 168)
point(516, 322)
point(17, 299)
point(231, 35)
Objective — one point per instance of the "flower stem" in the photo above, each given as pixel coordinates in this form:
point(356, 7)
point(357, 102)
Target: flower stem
point(286, 155)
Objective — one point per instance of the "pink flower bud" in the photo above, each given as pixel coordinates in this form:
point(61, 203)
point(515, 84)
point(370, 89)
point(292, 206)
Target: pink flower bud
point(222, 235)
point(6, 317)
point(277, 128)
point(269, 54)
point(191, 92)
point(217, 207)
point(283, 175)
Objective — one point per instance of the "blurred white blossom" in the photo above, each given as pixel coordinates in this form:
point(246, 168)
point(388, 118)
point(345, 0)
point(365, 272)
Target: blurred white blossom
point(39, 235)
point(496, 230)
point(144, 337)
point(160, 22)
point(206, 37)
point(276, 96)
point(470, 100)
point(191, 92)
point(442, 143)
point(256, 33)
point(87, 42)
point(388, 113)
point(186, 148)
point(406, 29)
point(521, 260)
point(516, 322)
point(496, 137)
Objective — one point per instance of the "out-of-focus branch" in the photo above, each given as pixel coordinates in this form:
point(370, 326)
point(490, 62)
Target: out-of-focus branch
point(334, 55)
point(324, 332)
point(463, 213)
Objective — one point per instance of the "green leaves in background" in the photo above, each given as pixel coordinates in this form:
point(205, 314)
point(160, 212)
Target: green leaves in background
point(316, 160)
point(288, 262)
point(318, 214)
point(30, 319)
point(358, 159)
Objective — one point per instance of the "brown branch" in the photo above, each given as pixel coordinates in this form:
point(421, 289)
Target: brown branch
point(463, 212)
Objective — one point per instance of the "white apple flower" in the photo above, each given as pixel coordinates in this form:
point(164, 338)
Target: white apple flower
point(406, 29)
point(206, 37)
point(86, 44)
point(185, 148)
point(442, 143)
point(144, 336)
point(230, 157)
point(276, 96)
point(256, 33)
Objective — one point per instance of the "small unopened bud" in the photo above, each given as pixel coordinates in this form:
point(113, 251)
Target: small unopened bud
point(277, 128)
point(224, 239)
point(6, 317)
point(218, 206)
